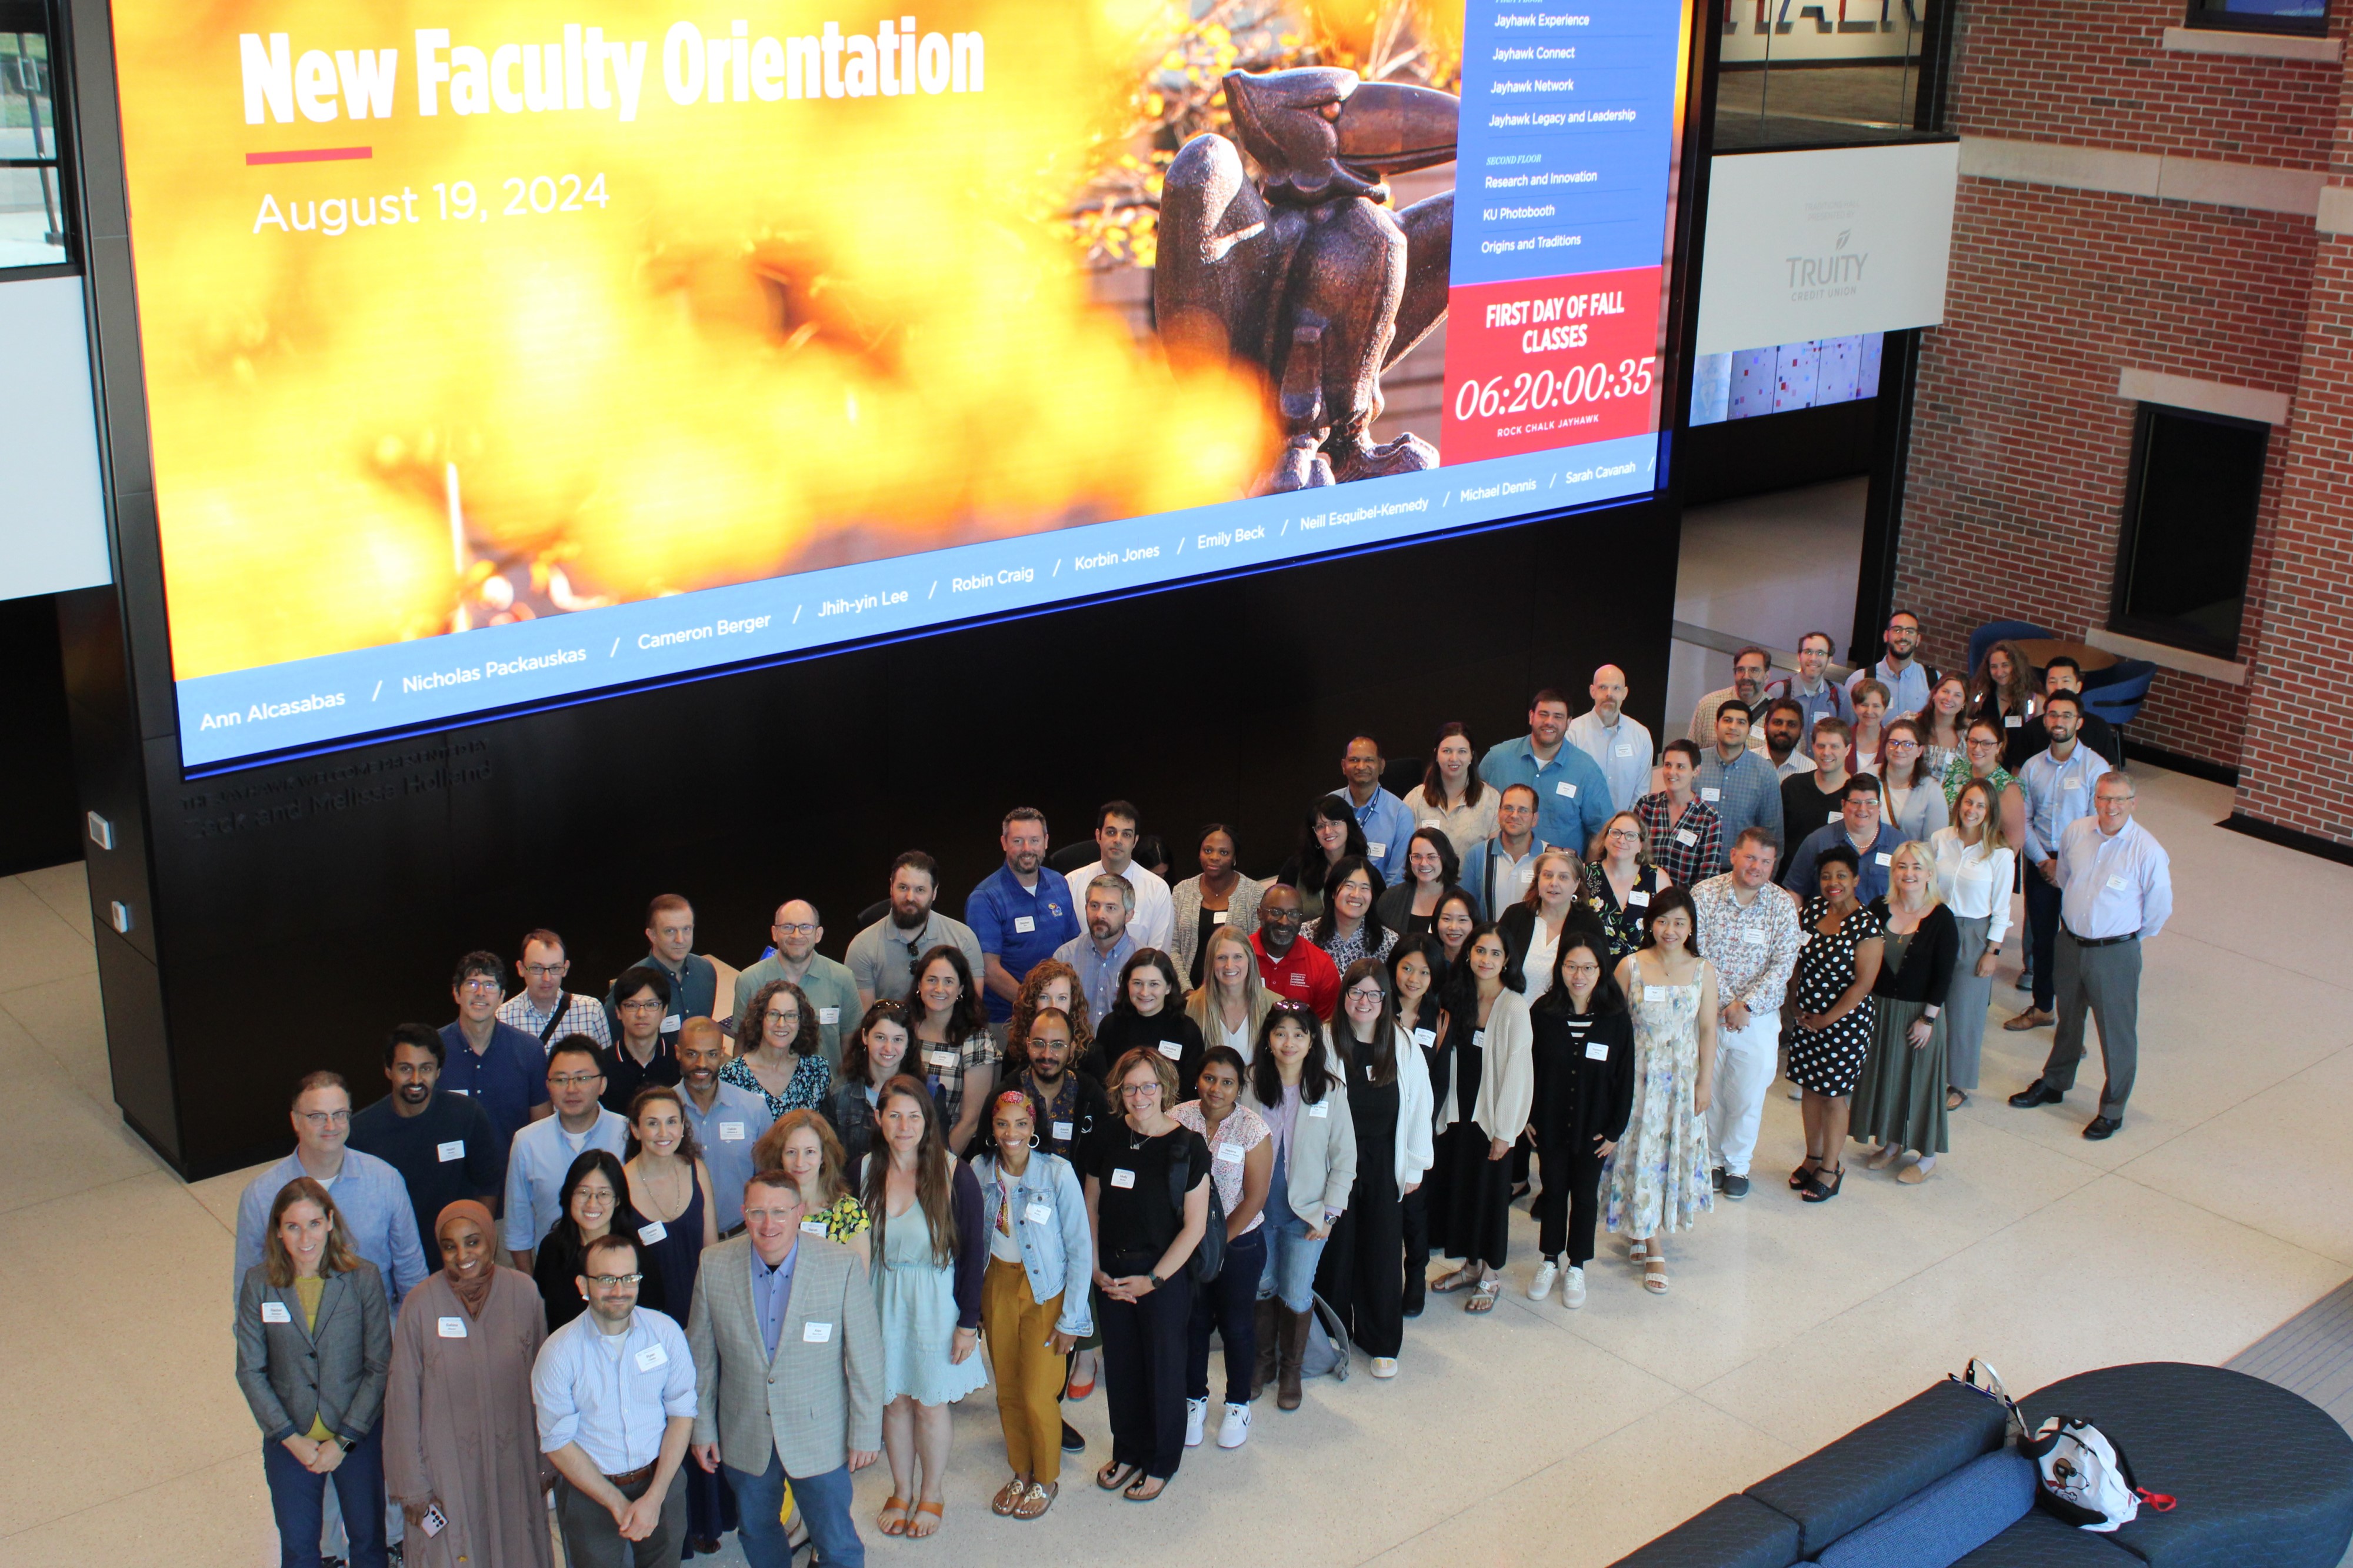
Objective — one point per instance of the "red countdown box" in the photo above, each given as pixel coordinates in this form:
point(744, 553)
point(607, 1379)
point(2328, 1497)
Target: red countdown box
point(1542, 362)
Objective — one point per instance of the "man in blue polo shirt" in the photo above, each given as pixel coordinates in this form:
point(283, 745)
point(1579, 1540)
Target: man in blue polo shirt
point(1572, 797)
point(1387, 824)
point(502, 1069)
point(1021, 912)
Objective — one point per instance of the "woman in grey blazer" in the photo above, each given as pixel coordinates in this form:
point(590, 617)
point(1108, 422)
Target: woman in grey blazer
point(313, 1346)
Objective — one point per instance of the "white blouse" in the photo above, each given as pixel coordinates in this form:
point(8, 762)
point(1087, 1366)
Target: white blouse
point(1974, 884)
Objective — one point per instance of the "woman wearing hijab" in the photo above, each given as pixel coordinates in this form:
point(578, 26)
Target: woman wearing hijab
point(460, 1440)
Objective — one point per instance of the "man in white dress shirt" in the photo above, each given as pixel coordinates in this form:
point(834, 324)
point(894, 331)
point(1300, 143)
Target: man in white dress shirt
point(1620, 746)
point(2116, 885)
point(1155, 918)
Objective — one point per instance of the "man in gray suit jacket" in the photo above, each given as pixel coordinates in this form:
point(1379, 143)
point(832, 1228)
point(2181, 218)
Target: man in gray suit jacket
point(788, 1363)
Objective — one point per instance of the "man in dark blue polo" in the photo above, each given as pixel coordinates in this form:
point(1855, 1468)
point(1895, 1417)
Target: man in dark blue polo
point(1021, 912)
point(502, 1069)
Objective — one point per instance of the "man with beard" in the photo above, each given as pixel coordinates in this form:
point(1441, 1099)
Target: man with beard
point(1108, 943)
point(1288, 963)
point(795, 931)
point(1020, 914)
point(442, 1145)
point(726, 1119)
point(882, 957)
point(1747, 689)
point(1618, 745)
point(1784, 724)
point(1572, 795)
point(1908, 682)
point(1151, 914)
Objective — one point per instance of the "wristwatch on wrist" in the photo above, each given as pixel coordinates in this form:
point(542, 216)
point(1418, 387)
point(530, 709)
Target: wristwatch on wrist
point(1156, 1280)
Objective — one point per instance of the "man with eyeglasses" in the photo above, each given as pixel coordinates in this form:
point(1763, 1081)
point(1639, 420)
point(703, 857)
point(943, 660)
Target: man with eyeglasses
point(1908, 682)
point(544, 1009)
point(794, 933)
point(495, 1065)
point(2058, 783)
point(1020, 913)
point(1153, 917)
point(883, 956)
point(1288, 963)
point(615, 1392)
point(441, 1143)
point(1498, 873)
point(368, 1193)
point(693, 979)
point(643, 1055)
point(544, 1151)
point(1859, 827)
point(1817, 696)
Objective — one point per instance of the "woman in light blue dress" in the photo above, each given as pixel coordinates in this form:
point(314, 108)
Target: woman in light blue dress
point(931, 1250)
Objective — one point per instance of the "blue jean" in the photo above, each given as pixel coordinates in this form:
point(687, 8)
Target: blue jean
point(825, 1507)
point(298, 1499)
point(1290, 1257)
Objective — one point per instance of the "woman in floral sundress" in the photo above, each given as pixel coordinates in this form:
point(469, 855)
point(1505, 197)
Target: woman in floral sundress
point(1657, 1180)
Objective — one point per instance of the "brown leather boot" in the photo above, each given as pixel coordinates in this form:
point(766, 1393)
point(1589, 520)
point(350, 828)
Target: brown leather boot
point(1293, 1326)
point(1262, 1323)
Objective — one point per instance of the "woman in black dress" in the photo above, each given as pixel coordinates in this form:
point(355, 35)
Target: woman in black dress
point(1388, 1099)
point(1415, 968)
point(1838, 959)
point(1584, 1057)
point(592, 1202)
point(1620, 886)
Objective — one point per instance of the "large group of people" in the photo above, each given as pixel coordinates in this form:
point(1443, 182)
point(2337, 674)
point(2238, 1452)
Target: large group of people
point(657, 1266)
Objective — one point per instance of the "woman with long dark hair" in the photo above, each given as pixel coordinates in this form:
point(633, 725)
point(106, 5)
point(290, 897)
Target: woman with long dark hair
point(1349, 929)
point(1658, 1176)
point(931, 1250)
point(1431, 867)
point(1912, 792)
point(1451, 796)
point(782, 1063)
point(1390, 1104)
point(954, 1053)
point(1583, 1053)
point(1484, 1111)
point(1295, 1090)
point(593, 1202)
point(2004, 692)
point(1241, 1161)
point(1329, 835)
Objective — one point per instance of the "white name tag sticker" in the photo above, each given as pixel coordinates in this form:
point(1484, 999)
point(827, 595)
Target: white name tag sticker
point(1687, 838)
point(652, 1358)
point(1123, 1178)
point(1596, 1050)
point(671, 1024)
point(453, 1150)
point(1432, 822)
point(2119, 884)
point(1566, 791)
point(1752, 938)
point(1654, 992)
point(452, 1327)
point(1883, 858)
point(459, 1091)
point(1061, 1132)
point(1230, 1153)
point(1425, 1039)
point(1171, 1050)
point(1711, 795)
point(1625, 748)
point(1218, 917)
point(1025, 924)
point(1478, 1037)
point(652, 1231)
point(731, 1132)
point(2012, 721)
point(812, 1227)
point(829, 1014)
point(940, 1058)
point(1637, 900)
point(816, 1333)
point(1320, 1110)
point(1375, 852)
point(1527, 875)
point(1038, 1214)
point(276, 1312)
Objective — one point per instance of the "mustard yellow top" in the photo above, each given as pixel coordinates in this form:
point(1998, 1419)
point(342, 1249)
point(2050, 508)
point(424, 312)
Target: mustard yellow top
point(310, 1288)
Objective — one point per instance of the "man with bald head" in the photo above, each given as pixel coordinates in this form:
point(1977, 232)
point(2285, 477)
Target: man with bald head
point(795, 931)
point(1618, 745)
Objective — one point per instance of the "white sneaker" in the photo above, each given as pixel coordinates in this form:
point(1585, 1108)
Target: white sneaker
point(1197, 1416)
point(1572, 1288)
point(1236, 1431)
point(1384, 1366)
point(1541, 1286)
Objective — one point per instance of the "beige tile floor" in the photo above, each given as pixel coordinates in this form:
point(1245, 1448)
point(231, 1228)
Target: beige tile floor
point(1536, 1436)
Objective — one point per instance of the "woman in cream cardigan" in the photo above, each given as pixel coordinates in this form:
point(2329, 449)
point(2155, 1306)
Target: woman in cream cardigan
point(1296, 1092)
point(1487, 1104)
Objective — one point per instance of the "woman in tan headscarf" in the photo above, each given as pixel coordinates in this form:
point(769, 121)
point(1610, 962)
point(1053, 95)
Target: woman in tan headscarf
point(460, 1432)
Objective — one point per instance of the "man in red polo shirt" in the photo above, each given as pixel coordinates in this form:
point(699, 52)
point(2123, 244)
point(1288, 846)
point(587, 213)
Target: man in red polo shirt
point(1288, 963)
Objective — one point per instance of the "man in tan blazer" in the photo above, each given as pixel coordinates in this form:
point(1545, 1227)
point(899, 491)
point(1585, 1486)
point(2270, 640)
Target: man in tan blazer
point(788, 1366)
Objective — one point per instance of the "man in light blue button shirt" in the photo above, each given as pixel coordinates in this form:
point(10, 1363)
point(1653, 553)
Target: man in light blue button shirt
point(1619, 746)
point(2058, 783)
point(1105, 950)
point(1572, 795)
point(2116, 884)
point(1908, 682)
point(1386, 823)
point(369, 1194)
point(727, 1118)
point(1740, 785)
point(544, 1150)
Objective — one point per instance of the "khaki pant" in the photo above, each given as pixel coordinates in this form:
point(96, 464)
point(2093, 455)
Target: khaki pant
point(1028, 1374)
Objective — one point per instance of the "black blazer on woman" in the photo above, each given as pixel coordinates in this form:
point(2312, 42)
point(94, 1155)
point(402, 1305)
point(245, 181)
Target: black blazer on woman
point(1592, 1098)
point(1926, 975)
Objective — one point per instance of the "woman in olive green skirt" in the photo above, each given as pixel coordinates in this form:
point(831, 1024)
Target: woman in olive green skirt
point(1899, 1103)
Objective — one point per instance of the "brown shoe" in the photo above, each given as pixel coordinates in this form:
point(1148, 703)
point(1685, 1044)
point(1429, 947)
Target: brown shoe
point(1292, 1328)
point(2032, 1019)
point(1262, 1327)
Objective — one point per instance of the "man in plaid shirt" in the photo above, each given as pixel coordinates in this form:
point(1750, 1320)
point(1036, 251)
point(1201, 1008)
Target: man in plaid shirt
point(1686, 835)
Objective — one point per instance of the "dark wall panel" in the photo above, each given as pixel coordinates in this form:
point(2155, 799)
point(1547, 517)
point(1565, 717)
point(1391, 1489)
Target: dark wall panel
point(305, 907)
point(36, 789)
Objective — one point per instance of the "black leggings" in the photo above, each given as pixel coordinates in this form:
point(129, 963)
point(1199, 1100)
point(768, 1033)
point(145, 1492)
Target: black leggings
point(1228, 1304)
point(1569, 1203)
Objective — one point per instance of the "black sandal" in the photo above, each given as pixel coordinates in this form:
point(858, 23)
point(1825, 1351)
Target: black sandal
point(1803, 1177)
point(1956, 1097)
point(1818, 1190)
point(1114, 1475)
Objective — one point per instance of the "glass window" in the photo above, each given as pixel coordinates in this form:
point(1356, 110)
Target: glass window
point(2189, 529)
point(2260, 15)
point(1814, 72)
point(33, 212)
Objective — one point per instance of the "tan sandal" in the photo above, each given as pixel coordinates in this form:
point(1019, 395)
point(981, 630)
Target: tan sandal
point(883, 1522)
point(1458, 1279)
point(938, 1511)
point(1114, 1475)
point(1009, 1497)
point(1638, 1249)
point(1039, 1498)
point(1886, 1155)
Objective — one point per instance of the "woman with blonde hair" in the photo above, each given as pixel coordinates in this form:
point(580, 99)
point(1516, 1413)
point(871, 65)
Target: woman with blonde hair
point(1974, 864)
point(1230, 1004)
point(802, 1144)
point(1620, 883)
point(1532, 928)
point(1899, 1101)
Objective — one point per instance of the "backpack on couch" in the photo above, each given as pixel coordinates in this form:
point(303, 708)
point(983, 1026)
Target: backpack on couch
point(2086, 1480)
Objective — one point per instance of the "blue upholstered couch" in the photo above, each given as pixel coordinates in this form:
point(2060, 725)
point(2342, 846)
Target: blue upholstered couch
point(2263, 1479)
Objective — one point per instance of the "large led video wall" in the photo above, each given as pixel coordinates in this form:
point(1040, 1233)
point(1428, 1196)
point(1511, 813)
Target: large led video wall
point(502, 354)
